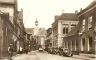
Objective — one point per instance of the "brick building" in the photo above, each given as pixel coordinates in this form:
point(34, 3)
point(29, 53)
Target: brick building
point(87, 18)
point(85, 41)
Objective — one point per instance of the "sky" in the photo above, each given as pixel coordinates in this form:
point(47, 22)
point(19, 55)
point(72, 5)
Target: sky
point(45, 10)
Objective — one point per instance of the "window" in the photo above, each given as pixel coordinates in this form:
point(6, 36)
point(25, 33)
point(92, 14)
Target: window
point(83, 25)
point(90, 22)
point(65, 30)
point(73, 25)
point(11, 19)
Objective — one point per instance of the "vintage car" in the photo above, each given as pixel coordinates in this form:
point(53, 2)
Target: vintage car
point(65, 52)
point(41, 50)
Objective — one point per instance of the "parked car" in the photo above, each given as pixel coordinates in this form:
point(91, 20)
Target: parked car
point(50, 51)
point(65, 52)
point(53, 51)
point(40, 49)
point(56, 50)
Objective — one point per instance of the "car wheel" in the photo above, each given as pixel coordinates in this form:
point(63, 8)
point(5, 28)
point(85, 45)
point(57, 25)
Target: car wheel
point(69, 54)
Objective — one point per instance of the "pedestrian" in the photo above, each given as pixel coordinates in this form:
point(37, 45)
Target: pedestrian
point(26, 51)
point(21, 50)
point(10, 50)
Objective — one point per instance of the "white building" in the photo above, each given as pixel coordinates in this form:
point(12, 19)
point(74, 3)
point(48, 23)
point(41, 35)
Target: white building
point(61, 26)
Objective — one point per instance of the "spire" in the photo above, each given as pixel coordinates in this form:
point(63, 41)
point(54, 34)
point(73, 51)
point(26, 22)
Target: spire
point(36, 22)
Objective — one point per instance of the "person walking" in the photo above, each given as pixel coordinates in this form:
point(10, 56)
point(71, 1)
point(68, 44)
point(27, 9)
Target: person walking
point(10, 50)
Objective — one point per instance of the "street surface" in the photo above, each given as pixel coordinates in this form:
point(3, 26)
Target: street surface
point(45, 56)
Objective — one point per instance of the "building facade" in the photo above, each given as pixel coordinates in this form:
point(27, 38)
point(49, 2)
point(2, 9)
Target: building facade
point(11, 31)
point(6, 34)
point(62, 25)
point(87, 18)
point(83, 38)
point(9, 7)
point(29, 38)
point(49, 37)
point(20, 31)
point(38, 36)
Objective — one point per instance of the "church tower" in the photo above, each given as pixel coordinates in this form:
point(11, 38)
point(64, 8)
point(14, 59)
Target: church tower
point(36, 22)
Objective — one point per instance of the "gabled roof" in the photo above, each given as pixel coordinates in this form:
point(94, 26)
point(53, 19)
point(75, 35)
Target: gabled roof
point(67, 16)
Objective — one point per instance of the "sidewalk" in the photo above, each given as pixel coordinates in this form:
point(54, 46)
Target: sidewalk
point(85, 56)
point(89, 55)
point(30, 56)
point(31, 52)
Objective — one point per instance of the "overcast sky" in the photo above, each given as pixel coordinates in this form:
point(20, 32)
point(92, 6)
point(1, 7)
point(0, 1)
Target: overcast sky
point(45, 10)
